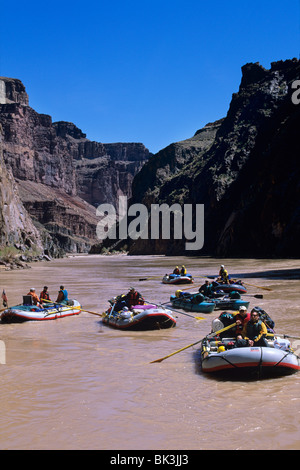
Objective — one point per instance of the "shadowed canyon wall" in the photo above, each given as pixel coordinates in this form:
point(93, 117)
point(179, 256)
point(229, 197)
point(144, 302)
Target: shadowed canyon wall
point(243, 168)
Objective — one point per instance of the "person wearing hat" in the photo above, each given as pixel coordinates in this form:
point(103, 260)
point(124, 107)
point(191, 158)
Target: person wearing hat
point(223, 275)
point(176, 270)
point(35, 299)
point(241, 318)
point(183, 270)
point(207, 289)
point(133, 298)
point(62, 295)
point(44, 295)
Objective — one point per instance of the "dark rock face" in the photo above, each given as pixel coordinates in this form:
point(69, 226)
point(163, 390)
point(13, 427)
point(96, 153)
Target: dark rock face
point(247, 177)
point(61, 175)
point(243, 168)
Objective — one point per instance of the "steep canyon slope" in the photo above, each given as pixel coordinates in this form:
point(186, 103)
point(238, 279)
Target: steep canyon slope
point(243, 168)
point(59, 176)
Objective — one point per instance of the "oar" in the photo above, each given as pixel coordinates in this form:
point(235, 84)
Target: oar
point(193, 344)
point(4, 309)
point(191, 287)
point(149, 278)
point(177, 311)
point(66, 310)
point(258, 287)
point(77, 308)
point(88, 311)
point(257, 296)
point(284, 335)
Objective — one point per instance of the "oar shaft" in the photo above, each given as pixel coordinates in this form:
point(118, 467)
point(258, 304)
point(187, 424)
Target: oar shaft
point(173, 309)
point(283, 334)
point(216, 333)
point(77, 308)
point(176, 352)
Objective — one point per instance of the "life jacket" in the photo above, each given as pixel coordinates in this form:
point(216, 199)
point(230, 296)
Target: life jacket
point(253, 329)
point(134, 298)
point(44, 296)
point(244, 320)
point(265, 318)
point(62, 296)
point(224, 275)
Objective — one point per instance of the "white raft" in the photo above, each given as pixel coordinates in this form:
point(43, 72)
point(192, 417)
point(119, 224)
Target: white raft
point(222, 357)
point(178, 279)
point(140, 317)
point(51, 311)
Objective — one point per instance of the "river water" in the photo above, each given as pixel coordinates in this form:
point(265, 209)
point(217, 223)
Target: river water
point(75, 383)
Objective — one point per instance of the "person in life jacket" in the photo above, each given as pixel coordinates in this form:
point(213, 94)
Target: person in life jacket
point(207, 289)
point(44, 295)
point(241, 318)
point(35, 299)
point(183, 270)
point(223, 275)
point(176, 270)
point(62, 295)
point(133, 298)
point(254, 332)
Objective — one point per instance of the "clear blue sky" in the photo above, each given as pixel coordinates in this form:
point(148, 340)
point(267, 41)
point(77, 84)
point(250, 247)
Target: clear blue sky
point(141, 71)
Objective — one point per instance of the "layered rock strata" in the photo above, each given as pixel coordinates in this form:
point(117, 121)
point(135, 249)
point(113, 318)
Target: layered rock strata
point(61, 175)
point(247, 177)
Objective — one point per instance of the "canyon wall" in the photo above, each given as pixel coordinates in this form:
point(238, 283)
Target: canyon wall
point(246, 175)
point(60, 176)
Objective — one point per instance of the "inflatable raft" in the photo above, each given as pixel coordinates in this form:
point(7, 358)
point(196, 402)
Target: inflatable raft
point(140, 317)
point(52, 311)
point(177, 279)
point(229, 303)
point(223, 358)
point(226, 288)
point(198, 303)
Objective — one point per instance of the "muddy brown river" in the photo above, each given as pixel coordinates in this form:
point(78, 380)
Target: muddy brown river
point(74, 383)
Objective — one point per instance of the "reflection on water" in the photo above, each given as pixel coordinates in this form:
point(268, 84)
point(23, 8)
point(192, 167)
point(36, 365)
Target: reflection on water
point(74, 383)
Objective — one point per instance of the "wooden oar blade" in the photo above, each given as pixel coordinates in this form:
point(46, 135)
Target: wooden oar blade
point(158, 360)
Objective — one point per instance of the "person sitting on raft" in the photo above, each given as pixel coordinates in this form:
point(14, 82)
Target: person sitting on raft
point(223, 275)
point(241, 319)
point(207, 289)
point(183, 270)
point(254, 332)
point(176, 270)
point(35, 299)
point(133, 298)
point(44, 295)
point(62, 295)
